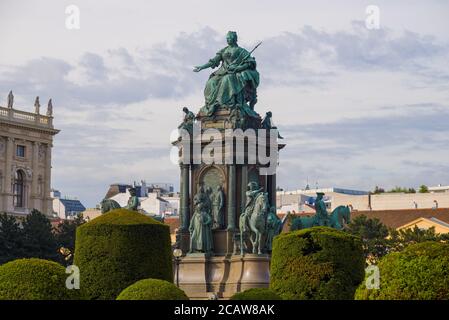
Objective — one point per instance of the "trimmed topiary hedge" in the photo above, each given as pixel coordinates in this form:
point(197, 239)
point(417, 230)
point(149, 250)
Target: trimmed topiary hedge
point(119, 248)
point(420, 272)
point(256, 294)
point(152, 289)
point(316, 263)
point(34, 279)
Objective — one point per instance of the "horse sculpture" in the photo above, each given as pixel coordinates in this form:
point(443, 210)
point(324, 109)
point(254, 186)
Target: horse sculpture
point(340, 216)
point(108, 205)
point(258, 222)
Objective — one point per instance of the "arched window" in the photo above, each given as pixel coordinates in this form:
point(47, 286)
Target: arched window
point(19, 189)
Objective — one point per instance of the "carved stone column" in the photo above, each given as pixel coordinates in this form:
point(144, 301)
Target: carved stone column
point(185, 196)
point(231, 196)
point(8, 206)
point(47, 205)
point(34, 181)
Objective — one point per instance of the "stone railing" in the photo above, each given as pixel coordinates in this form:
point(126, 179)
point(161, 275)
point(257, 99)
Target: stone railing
point(26, 117)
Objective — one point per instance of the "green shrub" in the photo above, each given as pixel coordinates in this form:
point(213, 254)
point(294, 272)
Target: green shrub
point(119, 248)
point(256, 294)
point(152, 289)
point(34, 279)
point(316, 263)
point(420, 272)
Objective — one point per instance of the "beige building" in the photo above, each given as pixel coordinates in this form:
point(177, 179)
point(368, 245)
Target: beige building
point(427, 223)
point(399, 219)
point(296, 200)
point(26, 141)
point(91, 213)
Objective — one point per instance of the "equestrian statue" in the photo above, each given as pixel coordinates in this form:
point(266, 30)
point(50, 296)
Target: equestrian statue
point(258, 222)
point(337, 219)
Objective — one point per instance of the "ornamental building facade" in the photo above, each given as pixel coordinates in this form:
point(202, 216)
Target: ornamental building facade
point(26, 140)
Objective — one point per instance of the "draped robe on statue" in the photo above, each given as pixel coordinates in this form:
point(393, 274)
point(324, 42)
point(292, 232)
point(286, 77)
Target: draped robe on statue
point(201, 230)
point(231, 89)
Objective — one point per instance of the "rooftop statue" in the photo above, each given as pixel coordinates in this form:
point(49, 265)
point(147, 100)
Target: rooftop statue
point(337, 219)
point(10, 100)
point(37, 105)
point(234, 84)
point(49, 108)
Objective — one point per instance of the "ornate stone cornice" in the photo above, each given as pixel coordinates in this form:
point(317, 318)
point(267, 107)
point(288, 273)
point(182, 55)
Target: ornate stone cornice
point(29, 127)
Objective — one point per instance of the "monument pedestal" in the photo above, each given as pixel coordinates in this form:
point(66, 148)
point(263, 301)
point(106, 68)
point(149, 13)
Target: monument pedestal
point(201, 276)
point(192, 275)
point(236, 166)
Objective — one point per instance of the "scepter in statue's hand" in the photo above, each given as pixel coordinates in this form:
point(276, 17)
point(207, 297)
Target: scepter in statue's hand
point(232, 68)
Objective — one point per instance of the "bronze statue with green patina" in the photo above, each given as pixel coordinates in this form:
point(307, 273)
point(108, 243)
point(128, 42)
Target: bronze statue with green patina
point(235, 83)
point(254, 218)
point(133, 201)
point(218, 208)
point(267, 123)
point(274, 227)
point(337, 219)
point(110, 204)
point(187, 122)
point(200, 227)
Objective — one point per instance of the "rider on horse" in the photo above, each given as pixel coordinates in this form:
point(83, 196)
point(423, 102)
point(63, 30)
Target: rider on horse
point(321, 216)
point(251, 194)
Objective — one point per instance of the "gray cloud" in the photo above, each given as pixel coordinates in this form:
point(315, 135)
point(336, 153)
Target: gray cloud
point(418, 127)
point(93, 64)
point(408, 149)
point(353, 152)
point(305, 58)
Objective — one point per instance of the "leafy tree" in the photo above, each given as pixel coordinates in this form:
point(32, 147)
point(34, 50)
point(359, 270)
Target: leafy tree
point(117, 249)
point(402, 190)
point(39, 240)
point(373, 234)
point(419, 272)
point(318, 263)
point(378, 190)
point(152, 289)
point(423, 189)
point(397, 190)
point(378, 240)
point(65, 234)
point(11, 239)
point(405, 237)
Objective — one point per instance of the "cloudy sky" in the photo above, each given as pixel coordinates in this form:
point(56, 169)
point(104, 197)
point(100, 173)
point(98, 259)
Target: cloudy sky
point(358, 107)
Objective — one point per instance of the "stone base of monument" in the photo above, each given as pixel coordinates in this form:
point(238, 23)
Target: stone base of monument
point(201, 276)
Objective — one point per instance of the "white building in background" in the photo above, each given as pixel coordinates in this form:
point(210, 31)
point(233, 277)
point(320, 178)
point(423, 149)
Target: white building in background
point(122, 198)
point(439, 188)
point(156, 205)
point(155, 198)
point(66, 208)
point(174, 204)
point(301, 200)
